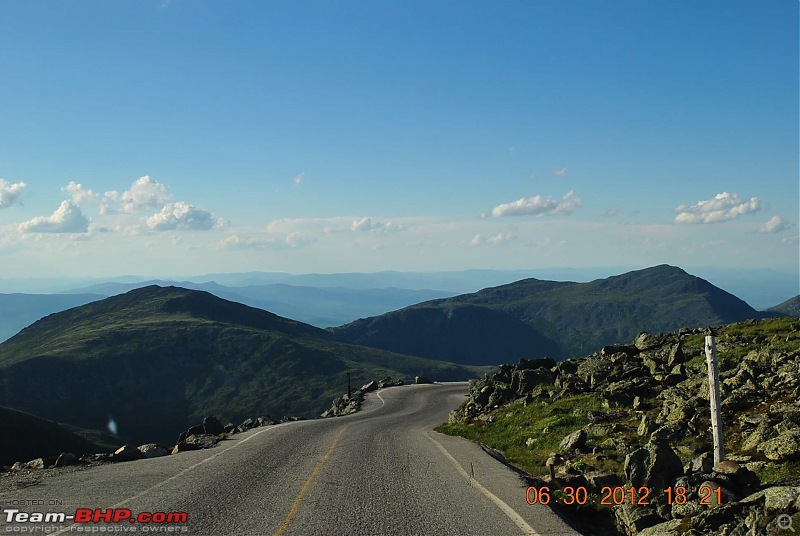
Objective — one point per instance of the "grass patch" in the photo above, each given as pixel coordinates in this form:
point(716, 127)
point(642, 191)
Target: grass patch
point(516, 423)
point(779, 472)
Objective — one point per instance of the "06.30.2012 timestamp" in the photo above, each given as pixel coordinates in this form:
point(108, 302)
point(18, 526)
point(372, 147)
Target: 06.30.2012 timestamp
point(705, 495)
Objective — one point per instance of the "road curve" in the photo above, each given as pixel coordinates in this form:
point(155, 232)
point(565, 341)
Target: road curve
point(381, 471)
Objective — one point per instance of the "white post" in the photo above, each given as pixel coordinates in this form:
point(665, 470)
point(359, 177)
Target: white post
point(713, 392)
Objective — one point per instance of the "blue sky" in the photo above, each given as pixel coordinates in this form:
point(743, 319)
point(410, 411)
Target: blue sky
point(363, 136)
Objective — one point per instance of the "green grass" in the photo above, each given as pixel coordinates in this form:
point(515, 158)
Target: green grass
point(777, 472)
point(514, 424)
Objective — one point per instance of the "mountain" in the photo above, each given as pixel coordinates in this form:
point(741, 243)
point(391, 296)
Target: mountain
point(790, 307)
point(20, 310)
point(159, 359)
point(319, 306)
point(534, 318)
point(28, 436)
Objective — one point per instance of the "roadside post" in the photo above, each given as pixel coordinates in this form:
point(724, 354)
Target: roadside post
point(714, 395)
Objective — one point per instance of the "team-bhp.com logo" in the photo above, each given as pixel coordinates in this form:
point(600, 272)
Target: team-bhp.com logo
point(87, 520)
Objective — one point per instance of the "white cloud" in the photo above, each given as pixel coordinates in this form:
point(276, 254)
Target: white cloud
point(68, 218)
point(612, 212)
point(723, 207)
point(775, 225)
point(144, 194)
point(182, 216)
point(539, 205)
point(560, 172)
point(477, 240)
point(364, 225)
point(299, 178)
point(78, 193)
point(496, 240)
point(291, 241)
point(9, 192)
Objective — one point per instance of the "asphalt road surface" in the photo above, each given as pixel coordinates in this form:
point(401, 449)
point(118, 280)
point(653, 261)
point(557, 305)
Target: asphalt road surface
point(381, 471)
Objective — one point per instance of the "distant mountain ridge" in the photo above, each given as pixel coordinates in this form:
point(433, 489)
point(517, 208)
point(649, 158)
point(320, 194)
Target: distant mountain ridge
point(19, 310)
point(562, 319)
point(319, 306)
point(159, 359)
point(790, 307)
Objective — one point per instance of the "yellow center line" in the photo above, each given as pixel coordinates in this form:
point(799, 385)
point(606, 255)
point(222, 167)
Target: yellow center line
point(296, 506)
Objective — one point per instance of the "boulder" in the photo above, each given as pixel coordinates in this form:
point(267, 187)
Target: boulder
point(203, 441)
point(37, 463)
point(64, 459)
point(633, 520)
point(195, 430)
point(127, 453)
point(702, 463)
point(419, 380)
point(785, 447)
point(574, 441)
point(183, 446)
point(655, 466)
point(369, 387)
point(152, 450)
point(232, 429)
point(211, 425)
point(246, 425)
point(779, 499)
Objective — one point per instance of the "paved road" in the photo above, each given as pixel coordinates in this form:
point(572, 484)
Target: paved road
point(381, 471)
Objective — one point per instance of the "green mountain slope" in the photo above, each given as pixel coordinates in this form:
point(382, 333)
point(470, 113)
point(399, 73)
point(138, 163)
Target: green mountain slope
point(158, 359)
point(562, 319)
point(27, 436)
point(790, 307)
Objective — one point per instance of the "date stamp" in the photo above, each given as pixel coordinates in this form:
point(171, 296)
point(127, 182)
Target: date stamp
point(609, 496)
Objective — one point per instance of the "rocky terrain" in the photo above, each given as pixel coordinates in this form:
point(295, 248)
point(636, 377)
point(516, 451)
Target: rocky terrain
point(637, 416)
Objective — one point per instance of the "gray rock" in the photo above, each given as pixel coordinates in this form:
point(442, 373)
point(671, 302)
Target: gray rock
point(127, 453)
point(369, 387)
point(655, 466)
point(598, 479)
point(711, 498)
point(246, 425)
point(728, 467)
point(644, 341)
point(64, 459)
point(152, 450)
point(779, 499)
point(762, 433)
point(634, 519)
point(646, 426)
point(37, 463)
point(672, 527)
point(702, 463)
point(18, 466)
point(785, 447)
point(183, 446)
point(574, 441)
point(419, 380)
point(203, 441)
point(211, 425)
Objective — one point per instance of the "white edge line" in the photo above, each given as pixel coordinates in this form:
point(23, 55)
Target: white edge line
point(173, 477)
point(507, 510)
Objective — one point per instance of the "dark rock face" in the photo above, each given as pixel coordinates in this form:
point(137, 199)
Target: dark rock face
point(127, 453)
point(212, 426)
point(660, 384)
